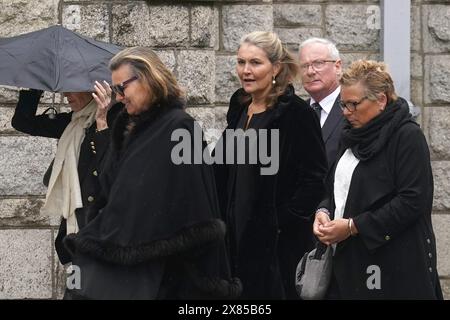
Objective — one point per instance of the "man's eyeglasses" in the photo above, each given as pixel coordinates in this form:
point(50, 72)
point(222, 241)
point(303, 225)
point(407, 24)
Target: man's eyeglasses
point(120, 88)
point(351, 105)
point(317, 65)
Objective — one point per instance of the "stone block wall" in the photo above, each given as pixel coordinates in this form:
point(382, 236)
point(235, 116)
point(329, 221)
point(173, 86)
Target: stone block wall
point(198, 40)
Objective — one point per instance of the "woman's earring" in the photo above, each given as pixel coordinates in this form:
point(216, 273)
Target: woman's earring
point(273, 80)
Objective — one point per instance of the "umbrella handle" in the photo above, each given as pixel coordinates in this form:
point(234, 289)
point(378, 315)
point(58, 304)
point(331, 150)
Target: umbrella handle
point(51, 115)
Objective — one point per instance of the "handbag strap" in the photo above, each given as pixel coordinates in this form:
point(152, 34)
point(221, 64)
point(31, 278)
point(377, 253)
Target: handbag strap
point(321, 248)
point(302, 266)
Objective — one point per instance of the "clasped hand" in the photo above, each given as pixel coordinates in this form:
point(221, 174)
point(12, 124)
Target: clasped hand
point(330, 231)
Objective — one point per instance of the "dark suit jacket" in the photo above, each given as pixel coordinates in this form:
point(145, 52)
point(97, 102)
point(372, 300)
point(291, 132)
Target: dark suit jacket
point(331, 131)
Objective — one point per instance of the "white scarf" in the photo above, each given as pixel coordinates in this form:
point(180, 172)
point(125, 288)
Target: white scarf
point(64, 192)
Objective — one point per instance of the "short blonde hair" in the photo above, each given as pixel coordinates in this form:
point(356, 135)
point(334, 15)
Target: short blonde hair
point(146, 64)
point(276, 52)
point(373, 75)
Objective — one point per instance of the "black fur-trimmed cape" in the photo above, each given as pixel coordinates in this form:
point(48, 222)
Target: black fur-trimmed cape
point(155, 210)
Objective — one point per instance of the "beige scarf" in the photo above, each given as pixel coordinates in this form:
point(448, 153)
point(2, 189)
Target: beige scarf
point(64, 192)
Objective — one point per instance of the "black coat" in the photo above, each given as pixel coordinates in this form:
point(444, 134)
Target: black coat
point(158, 233)
point(26, 121)
point(278, 230)
point(390, 200)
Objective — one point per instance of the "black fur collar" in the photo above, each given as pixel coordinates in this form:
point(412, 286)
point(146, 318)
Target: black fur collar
point(238, 105)
point(126, 126)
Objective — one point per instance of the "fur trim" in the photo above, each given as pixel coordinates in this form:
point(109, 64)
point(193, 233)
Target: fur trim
point(237, 105)
point(127, 126)
point(214, 288)
point(188, 239)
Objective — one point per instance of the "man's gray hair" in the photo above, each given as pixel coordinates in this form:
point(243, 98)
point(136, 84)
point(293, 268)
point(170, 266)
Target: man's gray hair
point(334, 52)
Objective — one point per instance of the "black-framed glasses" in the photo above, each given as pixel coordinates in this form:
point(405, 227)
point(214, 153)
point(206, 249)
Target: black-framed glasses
point(120, 88)
point(351, 105)
point(316, 64)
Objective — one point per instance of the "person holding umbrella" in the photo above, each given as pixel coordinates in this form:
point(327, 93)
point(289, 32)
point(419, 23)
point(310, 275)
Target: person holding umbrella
point(83, 138)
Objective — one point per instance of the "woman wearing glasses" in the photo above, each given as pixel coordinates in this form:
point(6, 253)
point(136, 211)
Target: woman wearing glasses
point(158, 233)
point(377, 214)
point(268, 214)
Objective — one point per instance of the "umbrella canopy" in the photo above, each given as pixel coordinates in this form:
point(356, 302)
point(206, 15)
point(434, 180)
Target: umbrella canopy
point(54, 59)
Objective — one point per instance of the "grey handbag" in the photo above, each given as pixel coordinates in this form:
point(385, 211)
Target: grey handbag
point(313, 273)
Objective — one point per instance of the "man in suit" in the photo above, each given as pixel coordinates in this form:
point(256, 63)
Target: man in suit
point(320, 69)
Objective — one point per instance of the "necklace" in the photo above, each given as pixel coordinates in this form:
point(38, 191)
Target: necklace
point(252, 108)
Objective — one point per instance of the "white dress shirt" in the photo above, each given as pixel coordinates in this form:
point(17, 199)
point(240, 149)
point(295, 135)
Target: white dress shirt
point(342, 179)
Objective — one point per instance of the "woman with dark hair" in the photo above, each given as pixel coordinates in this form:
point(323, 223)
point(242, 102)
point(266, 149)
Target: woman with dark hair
point(380, 196)
point(268, 210)
point(158, 233)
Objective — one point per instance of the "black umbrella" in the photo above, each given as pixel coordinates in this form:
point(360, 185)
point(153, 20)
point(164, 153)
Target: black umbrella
point(54, 59)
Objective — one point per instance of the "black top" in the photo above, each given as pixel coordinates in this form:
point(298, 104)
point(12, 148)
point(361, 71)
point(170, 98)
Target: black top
point(243, 179)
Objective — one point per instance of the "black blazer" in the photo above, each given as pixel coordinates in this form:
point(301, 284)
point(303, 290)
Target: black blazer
point(331, 131)
point(26, 121)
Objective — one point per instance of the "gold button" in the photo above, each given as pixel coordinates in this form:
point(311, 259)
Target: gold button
point(92, 143)
point(429, 241)
point(430, 269)
point(95, 173)
point(387, 238)
point(90, 198)
point(94, 152)
point(430, 255)
point(93, 147)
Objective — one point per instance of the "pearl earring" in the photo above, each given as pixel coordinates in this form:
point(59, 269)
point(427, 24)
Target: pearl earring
point(273, 80)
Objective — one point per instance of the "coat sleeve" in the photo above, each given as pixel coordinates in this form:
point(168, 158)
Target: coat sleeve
point(102, 138)
point(25, 119)
point(410, 161)
point(309, 152)
point(326, 201)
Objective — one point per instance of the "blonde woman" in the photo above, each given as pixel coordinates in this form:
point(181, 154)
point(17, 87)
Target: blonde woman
point(268, 215)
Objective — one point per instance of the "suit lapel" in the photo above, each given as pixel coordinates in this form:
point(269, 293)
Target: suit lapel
point(333, 120)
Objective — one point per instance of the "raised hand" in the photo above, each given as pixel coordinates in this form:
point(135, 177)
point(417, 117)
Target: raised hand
point(102, 96)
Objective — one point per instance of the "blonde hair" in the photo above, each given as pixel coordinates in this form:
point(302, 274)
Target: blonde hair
point(276, 53)
point(146, 65)
point(373, 75)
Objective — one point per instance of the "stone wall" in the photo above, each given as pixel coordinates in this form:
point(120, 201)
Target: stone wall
point(197, 40)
